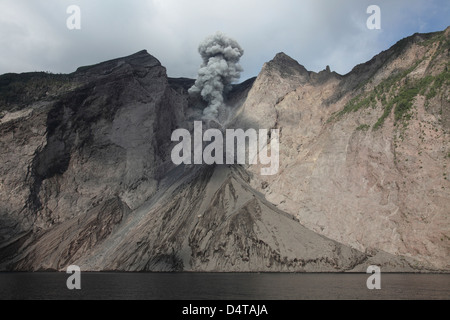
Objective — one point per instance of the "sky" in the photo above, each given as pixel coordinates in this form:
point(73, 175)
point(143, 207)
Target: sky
point(34, 35)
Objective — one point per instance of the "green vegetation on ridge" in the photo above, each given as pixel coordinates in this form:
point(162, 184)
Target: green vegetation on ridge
point(398, 92)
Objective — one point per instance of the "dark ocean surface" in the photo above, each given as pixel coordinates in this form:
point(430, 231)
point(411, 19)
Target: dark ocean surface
point(200, 286)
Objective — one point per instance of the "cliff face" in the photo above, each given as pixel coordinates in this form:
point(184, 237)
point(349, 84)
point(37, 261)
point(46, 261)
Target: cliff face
point(365, 157)
point(99, 141)
point(86, 176)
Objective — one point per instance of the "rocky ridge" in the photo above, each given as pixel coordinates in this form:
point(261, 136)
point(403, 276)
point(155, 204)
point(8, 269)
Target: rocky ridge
point(86, 175)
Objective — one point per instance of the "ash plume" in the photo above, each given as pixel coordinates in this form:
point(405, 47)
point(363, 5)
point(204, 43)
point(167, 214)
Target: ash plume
point(219, 70)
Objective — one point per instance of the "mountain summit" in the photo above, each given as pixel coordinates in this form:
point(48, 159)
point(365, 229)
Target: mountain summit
point(87, 177)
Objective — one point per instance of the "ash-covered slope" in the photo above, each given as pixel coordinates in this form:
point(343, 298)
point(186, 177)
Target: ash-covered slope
point(201, 219)
point(86, 175)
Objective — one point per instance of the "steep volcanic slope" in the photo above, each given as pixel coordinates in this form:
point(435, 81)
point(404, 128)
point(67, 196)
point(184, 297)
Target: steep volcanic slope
point(86, 175)
point(202, 219)
point(99, 138)
point(209, 219)
point(365, 157)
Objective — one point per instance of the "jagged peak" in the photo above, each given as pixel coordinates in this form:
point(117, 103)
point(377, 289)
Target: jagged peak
point(286, 66)
point(281, 56)
point(282, 59)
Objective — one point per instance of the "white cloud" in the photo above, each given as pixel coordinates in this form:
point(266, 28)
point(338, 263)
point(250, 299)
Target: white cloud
point(33, 34)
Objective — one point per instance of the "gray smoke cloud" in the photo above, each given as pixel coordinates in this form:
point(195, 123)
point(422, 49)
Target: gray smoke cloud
point(219, 70)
